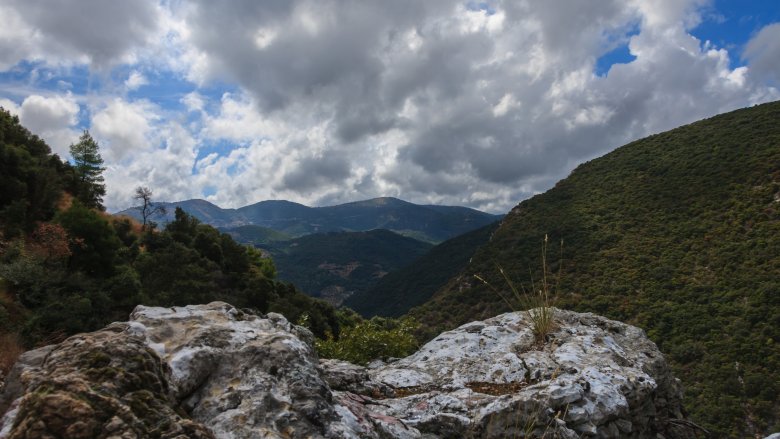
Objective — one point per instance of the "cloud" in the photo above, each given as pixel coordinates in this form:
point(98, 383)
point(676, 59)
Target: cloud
point(135, 80)
point(123, 127)
point(313, 172)
point(324, 101)
point(81, 31)
point(763, 53)
point(53, 118)
point(446, 101)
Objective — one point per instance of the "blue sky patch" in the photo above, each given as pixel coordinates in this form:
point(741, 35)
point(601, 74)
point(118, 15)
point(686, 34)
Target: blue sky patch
point(730, 24)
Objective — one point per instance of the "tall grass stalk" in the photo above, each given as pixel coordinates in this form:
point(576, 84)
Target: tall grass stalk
point(538, 303)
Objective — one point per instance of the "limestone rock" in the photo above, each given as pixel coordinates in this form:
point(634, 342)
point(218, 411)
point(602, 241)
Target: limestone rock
point(593, 377)
point(215, 371)
point(104, 384)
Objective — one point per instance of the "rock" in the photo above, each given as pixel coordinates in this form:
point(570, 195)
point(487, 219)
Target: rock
point(102, 384)
point(215, 371)
point(594, 377)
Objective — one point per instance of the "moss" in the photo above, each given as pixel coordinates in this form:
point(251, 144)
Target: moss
point(98, 360)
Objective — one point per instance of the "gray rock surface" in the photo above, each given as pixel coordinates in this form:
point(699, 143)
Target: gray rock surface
point(215, 370)
point(592, 377)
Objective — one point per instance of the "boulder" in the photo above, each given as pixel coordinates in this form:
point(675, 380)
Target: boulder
point(216, 371)
point(591, 377)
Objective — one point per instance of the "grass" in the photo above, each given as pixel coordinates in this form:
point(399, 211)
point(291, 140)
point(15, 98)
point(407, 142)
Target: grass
point(538, 303)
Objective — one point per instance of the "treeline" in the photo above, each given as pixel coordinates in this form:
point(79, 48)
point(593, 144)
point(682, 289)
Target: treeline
point(67, 267)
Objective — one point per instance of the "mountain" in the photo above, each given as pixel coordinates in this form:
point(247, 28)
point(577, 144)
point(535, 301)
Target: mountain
point(677, 233)
point(335, 265)
point(427, 223)
point(204, 211)
point(257, 236)
point(399, 291)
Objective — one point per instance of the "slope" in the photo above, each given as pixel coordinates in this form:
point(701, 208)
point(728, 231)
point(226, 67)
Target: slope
point(257, 236)
point(335, 265)
point(678, 233)
point(410, 286)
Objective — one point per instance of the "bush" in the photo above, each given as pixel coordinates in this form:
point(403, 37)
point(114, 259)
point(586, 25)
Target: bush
point(371, 339)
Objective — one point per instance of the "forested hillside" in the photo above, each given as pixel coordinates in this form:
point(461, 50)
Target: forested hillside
point(334, 266)
point(401, 290)
point(67, 267)
point(678, 233)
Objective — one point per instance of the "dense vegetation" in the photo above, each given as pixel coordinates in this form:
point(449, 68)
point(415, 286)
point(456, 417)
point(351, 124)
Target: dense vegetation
point(257, 236)
point(412, 285)
point(335, 265)
point(426, 223)
point(67, 267)
point(362, 341)
point(678, 233)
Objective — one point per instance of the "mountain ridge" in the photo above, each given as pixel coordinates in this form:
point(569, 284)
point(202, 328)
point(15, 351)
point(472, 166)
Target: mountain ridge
point(429, 223)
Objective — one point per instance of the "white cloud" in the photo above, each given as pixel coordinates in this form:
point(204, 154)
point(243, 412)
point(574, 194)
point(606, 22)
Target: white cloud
point(430, 101)
point(124, 127)
point(135, 80)
point(763, 53)
point(53, 118)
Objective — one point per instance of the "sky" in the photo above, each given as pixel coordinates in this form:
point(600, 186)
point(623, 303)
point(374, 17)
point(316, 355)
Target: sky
point(480, 104)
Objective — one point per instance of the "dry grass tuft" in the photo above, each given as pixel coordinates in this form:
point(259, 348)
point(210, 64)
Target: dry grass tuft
point(538, 302)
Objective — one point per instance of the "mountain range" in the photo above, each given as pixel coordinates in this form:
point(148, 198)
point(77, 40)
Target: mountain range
point(427, 223)
point(677, 233)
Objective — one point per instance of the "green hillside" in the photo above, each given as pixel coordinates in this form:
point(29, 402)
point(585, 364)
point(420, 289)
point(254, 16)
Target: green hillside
point(67, 267)
point(678, 233)
point(410, 286)
point(336, 265)
point(257, 236)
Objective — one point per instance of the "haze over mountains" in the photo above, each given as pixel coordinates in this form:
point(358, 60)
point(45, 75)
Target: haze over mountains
point(428, 223)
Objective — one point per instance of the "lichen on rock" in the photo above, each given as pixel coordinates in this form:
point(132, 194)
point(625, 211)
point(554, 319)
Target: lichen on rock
point(216, 371)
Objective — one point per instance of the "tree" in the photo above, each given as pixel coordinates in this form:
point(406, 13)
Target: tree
point(89, 169)
point(147, 207)
point(93, 242)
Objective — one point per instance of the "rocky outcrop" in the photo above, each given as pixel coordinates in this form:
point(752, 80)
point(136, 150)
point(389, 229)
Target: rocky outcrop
point(215, 371)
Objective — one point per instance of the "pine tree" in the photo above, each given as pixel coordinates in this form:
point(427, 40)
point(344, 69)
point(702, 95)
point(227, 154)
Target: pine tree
point(87, 163)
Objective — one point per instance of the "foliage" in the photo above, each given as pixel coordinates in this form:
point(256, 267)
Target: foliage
point(257, 236)
point(93, 242)
point(678, 234)
point(411, 285)
point(367, 340)
point(346, 261)
point(31, 178)
point(88, 166)
point(80, 269)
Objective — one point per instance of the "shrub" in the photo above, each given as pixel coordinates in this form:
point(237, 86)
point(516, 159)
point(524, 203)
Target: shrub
point(370, 339)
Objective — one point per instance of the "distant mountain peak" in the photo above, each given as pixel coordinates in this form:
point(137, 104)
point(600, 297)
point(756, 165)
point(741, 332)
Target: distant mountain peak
point(427, 223)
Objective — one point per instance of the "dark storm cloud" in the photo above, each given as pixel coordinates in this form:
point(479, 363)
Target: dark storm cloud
point(316, 172)
point(104, 31)
point(763, 53)
point(445, 101)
